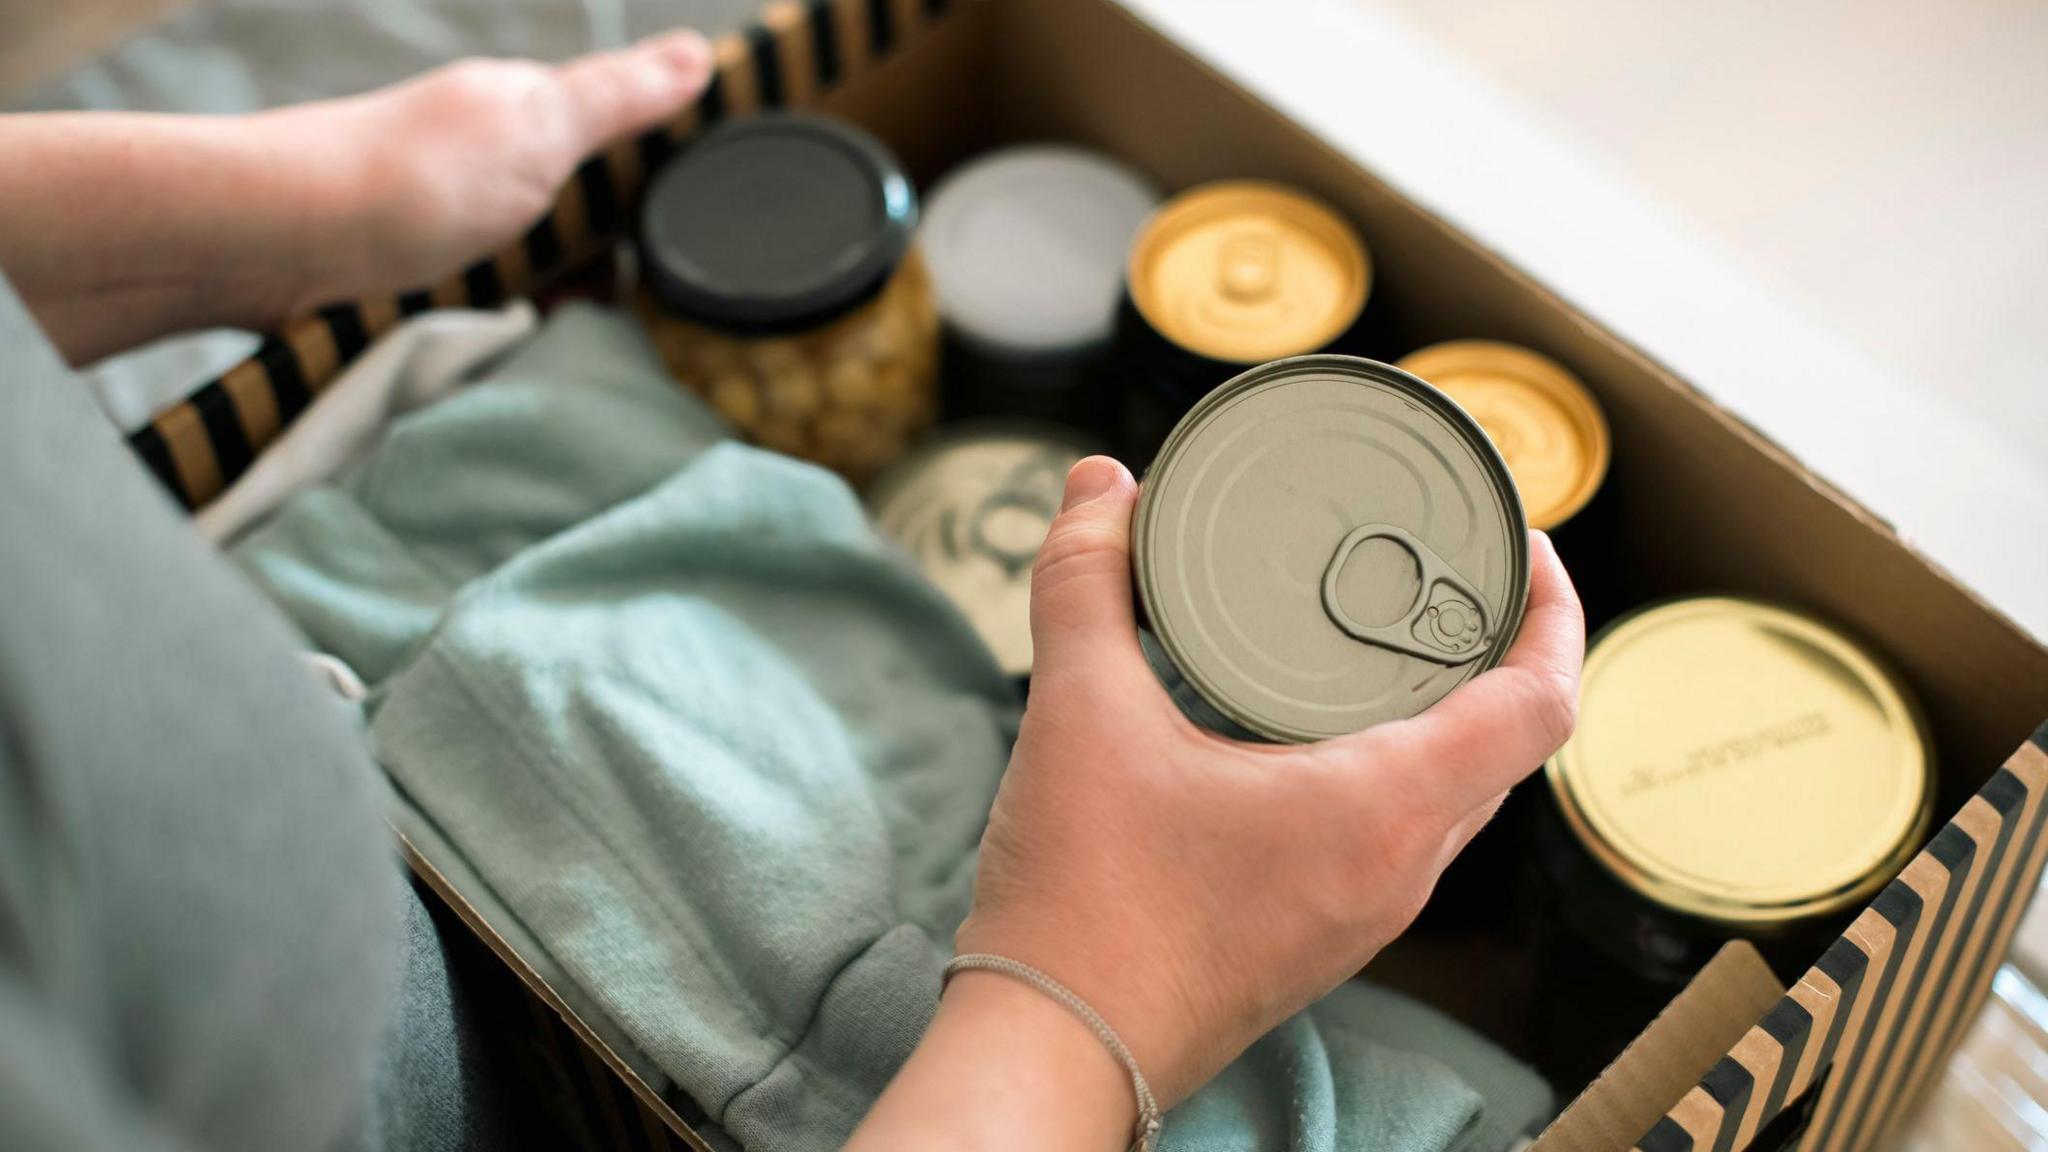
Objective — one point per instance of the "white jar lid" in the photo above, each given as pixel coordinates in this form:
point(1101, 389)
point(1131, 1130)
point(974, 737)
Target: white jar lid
point(1027, 246)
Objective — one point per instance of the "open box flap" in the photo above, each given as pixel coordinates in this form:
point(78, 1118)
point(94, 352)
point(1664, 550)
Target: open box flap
point(1679, 1047)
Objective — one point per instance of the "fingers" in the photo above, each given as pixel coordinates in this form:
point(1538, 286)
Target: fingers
point(1473, 823)
point(611, 94)
point(1495, 729)
point(1082, 618)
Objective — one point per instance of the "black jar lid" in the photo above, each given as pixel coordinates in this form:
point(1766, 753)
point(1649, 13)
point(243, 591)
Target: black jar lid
point(775, 223)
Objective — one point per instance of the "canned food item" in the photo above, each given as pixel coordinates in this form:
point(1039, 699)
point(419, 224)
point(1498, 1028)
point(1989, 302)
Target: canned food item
point(1325, 543)
point(1228, 275)
point(1740, 769)
point(1743, 764)
point(1546, 424)
point(971, 507)
point(1026, 247)
point(778, 282)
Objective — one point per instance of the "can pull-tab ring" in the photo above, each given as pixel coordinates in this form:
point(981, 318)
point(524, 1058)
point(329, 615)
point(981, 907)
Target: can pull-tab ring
point(1249, 266)
point(1448, 622)
point(1028, 497)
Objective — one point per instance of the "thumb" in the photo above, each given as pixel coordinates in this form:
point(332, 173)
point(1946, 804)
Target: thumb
point(1081, 614)
point(610, 94)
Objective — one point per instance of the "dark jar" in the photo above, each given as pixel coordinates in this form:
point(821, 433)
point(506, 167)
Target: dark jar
point(778, 281)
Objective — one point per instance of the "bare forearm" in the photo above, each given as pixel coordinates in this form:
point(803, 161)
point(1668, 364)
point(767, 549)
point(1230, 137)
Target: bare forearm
point(1003, 1067)
point(117, 228)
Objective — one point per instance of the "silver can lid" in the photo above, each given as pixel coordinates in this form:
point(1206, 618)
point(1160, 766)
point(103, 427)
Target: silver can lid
point(971, 507)
point(1325, 543)
point(1027, 245)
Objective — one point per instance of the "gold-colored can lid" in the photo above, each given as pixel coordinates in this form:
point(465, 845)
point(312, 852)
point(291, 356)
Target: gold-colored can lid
point(1546, 424)
point(1743, 762)
point(1248, 271)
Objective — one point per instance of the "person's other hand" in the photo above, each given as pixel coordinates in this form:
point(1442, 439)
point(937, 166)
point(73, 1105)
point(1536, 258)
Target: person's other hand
point(1198, 891)
point(433, 173)
point(120, 227)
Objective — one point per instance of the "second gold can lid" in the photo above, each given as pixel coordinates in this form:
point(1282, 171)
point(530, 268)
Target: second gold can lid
point(1247, 271)
point(1743, 762)
point(1546, 424)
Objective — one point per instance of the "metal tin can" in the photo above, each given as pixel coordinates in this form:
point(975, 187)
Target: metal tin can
point(1743, 764)
point(1555, 439)
point(972, 506)
point(778, 282)
point(1325, 543)
point(1026, 247)
point(1740, 769)
point(1226, 276)
point(1546, 424)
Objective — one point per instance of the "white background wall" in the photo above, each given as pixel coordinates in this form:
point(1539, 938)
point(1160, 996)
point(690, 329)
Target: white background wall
point(1884, 165)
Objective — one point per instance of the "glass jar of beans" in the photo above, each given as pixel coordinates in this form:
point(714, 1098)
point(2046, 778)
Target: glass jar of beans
point(777, 281)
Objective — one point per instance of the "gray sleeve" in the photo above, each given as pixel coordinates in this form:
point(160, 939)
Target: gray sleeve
point(199, 932)
point(54, 1092)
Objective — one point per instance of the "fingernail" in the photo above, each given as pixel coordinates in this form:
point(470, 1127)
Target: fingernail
point(1091, 478)
point(684, 51)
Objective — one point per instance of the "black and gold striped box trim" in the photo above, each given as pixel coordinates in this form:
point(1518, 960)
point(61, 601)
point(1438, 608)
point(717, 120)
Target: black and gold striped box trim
point(1888, 1002)
point(797, 51)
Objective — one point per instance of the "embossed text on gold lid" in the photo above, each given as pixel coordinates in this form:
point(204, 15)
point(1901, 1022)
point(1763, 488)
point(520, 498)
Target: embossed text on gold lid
point(1539, 415)
point(1743, 762)
point(1248, 271)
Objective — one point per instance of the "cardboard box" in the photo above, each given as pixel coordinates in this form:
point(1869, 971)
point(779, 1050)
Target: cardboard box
point(1736, 1061)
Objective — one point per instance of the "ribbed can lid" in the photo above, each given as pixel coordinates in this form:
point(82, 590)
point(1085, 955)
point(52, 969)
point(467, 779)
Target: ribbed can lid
point(971, 507)
point(1546, 424)
point(1026, 246)
point(1326, 543)
point(775, 223)
point(1245, 271)
point(1743, 762)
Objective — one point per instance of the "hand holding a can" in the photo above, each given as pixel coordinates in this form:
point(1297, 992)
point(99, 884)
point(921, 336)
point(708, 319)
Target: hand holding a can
point(1197, 891)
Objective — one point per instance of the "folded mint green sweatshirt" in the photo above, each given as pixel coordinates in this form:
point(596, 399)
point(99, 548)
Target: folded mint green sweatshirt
point(725, 754)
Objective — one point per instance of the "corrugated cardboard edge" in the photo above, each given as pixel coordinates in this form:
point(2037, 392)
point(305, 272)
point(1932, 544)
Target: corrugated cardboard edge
point(1670, 1056)
point(648, 1099)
